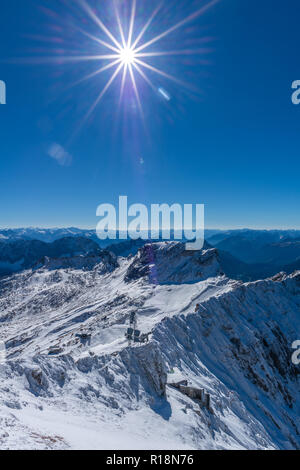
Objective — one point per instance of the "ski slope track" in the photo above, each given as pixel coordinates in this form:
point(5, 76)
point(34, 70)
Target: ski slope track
point(71, 381)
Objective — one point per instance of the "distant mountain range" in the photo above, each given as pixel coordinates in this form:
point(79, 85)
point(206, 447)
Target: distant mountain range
point(261, 247)
point(47, 235)
point(243, 254)
point(19, 255)
point(259, 237)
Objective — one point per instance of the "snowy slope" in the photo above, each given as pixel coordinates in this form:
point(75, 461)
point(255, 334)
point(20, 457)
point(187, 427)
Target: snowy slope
point(60, 389)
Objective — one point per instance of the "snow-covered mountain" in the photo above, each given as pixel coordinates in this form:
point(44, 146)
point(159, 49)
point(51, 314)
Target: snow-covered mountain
point(64, 252)
point(70, 379)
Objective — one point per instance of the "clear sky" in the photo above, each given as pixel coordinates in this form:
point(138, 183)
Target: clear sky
point(235, 147)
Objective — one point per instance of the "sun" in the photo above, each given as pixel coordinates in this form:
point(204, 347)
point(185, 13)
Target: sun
point(127, 56)
point(128, 52)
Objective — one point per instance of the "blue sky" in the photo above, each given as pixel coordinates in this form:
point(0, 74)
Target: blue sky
point(234, 149)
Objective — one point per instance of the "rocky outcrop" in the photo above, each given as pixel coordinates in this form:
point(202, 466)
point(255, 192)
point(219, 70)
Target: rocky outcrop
point(166, 263)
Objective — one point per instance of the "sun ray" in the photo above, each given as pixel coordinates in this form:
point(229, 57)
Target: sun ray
point(100, 41)
point(60, 59)
point(95, 104)
point(136, 90)
point(142, 73)
point(179, 52)
point(97, 20)
point(97, 72)
point(133, 10)
point(110, 81)
point(181, 23)
point(119, 24)
point(123, 83)
point(166, 75)
point(144, 29)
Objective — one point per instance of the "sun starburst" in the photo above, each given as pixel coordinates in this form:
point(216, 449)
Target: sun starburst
point(127, 55)
point(130, 53)
point(125, 52)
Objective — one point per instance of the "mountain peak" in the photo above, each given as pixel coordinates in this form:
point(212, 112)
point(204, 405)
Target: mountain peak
point(170, 263)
